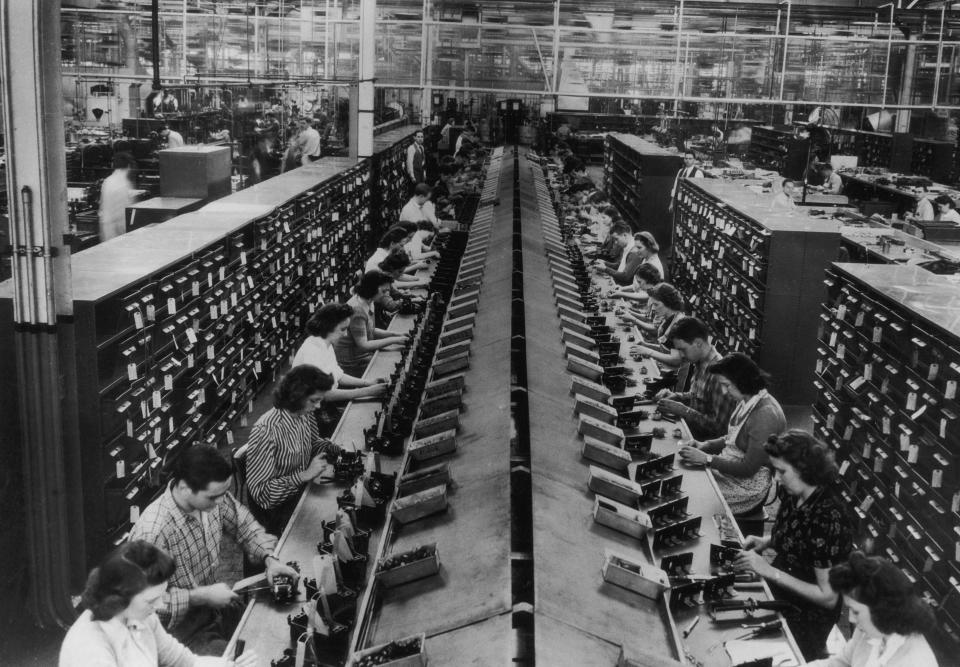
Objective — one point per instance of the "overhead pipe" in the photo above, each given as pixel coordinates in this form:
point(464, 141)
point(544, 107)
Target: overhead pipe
point(886, 69)
point(786, 39)
point(676, 62)
point(936, 78)
point(155, 46)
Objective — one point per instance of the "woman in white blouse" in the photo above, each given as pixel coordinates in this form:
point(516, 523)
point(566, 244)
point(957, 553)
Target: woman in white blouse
point(889, 619)
point(324, 328)
point(120, 627)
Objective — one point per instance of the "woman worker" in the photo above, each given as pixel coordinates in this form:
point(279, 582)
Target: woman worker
point(355, 349)
point(812, 533)
point(285, 451)
point(888, 617)
point(740, 463)
point(667, 305)
point(119, 627)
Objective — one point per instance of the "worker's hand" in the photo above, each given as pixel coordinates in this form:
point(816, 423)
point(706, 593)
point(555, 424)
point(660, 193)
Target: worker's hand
point(670, 407)
point(318, 466)
point(373, 390)
point(248, 659)
point(753, 561)
point(275, 567)
point(666, 394)
point(641, 350)
point(217, 596)
point(694, 456)
point(752, 542)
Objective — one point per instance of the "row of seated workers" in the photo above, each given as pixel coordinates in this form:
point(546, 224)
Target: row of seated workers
point(739, 432)
point(157, 599)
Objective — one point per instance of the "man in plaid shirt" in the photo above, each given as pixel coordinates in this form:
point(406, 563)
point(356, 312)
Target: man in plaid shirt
point(188, 522)
point(706, 407)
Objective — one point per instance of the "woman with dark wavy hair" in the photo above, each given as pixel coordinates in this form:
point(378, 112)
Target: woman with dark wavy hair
point(740, 464)
point(285, 451)
point(120, 627)
point(811, 534)
point(888, 617)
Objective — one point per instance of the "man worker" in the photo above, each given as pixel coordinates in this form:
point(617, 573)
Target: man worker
point(416, 159)
point(188, 522)
point(173, 138)
point(832, 183)
point(689, 170)
point(308, 142)
point(116, 194)
point(707, 406)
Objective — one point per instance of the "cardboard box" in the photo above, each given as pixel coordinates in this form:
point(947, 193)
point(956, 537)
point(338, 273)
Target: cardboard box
point(590, 408)
point(445, 421)
point(626, 572)
point(417, 660)
point(623, 519)
point(444, 385)
point(612, 485)
point(603, 432)
point(418, 569)
point(593, 390)
point(425, 478)
point(420, 504)
point(432, 446)
point(605, 454)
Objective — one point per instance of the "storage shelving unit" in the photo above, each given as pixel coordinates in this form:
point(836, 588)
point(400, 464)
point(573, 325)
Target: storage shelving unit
point(754, 276)
point(638, 176)
point(777, 149)
point(178, 326)
point(887, 373)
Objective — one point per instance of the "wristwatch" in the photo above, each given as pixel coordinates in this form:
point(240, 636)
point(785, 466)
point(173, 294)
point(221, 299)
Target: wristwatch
point(709, 460)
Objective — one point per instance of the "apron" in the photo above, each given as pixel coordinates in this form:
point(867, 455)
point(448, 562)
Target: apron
point(742, 493)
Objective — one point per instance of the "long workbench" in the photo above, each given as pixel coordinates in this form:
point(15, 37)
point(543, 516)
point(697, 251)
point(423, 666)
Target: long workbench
point(580, 619)
point(472, 535)
point(463, 611)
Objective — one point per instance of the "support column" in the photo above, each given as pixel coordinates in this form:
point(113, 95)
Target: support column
point(42, 307)
point(426, 64)
point(361, 132)
point(902, 122)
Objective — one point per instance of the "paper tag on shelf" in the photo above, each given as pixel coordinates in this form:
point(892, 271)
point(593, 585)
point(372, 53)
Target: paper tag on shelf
point(134, 513)
point(191, 336)
point(138, 319)
point(951, 390)
point(156, 399)
point(121, 469)
point(131, 371)
point(171, 306)
point(932, 372)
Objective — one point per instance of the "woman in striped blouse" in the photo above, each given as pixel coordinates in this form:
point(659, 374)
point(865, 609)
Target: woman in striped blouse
point(285, 451)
